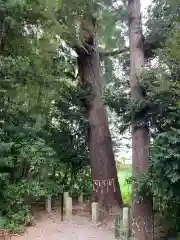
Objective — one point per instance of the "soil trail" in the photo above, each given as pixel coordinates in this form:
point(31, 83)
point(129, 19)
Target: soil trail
point(79, 227)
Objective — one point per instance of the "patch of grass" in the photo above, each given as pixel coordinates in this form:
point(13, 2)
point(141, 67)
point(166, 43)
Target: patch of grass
point(124, 172)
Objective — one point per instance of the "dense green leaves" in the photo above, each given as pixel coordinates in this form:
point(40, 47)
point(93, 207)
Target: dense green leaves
point(43, 145)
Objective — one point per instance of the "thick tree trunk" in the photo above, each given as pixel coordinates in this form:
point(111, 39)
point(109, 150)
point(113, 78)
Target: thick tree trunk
point(142, 208)
point(100, 143)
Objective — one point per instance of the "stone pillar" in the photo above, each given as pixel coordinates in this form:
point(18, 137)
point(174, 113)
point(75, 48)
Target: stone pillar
point(80, 199)
point(126, 218)
point(65, 196)
point(69, 207)
point(48, 204)
point(126, 222)
point(95, 213)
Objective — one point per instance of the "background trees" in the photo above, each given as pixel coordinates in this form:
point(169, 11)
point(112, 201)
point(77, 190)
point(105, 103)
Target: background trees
point(50, 116)
point(39, 111)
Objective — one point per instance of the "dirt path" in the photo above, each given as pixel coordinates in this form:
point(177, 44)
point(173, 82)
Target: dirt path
point(50, 227)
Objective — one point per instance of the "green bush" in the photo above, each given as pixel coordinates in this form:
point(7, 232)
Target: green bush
point(82, 184)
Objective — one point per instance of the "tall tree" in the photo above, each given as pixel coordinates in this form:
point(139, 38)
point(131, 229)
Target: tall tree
point(142, 207)
point(99, 138)
point(83, 38)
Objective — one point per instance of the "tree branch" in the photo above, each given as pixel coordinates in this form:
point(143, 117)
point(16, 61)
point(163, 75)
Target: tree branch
point(113, 53)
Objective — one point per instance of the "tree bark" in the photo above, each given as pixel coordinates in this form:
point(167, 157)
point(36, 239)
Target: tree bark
point(142, 208)
point(99, 139)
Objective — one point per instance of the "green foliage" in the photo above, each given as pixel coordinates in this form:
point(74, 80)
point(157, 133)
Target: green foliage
point(37, 154)
point(164, 173)
point(42, 122)
point(82, 184)
point(124, 173)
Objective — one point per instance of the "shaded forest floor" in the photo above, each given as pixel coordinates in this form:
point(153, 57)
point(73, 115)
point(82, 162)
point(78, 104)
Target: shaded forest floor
point(79, 227)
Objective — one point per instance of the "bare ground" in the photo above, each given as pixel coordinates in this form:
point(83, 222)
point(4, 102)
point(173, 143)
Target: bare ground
point(79, 227)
